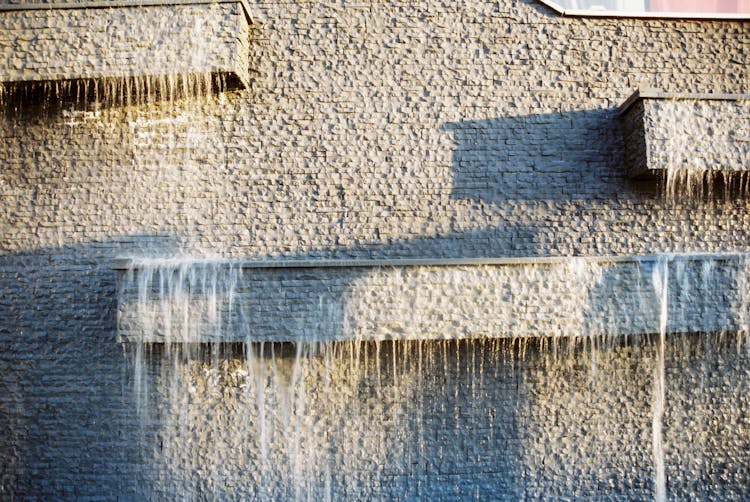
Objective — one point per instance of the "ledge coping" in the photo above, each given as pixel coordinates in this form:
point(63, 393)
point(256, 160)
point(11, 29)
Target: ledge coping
point(657, 94)
point(128, 263)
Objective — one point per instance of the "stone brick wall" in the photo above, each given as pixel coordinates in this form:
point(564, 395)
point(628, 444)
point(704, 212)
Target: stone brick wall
point(362, 136)
point(184, 301)
point(46, 45)
point(683, 132)
point(392, 129)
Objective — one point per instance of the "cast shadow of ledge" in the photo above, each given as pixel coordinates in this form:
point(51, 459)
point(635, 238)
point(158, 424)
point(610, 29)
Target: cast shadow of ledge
point(561, 156)
point(62, 374)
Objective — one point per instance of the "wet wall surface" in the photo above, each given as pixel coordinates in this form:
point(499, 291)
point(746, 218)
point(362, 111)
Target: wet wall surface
point(404, 129)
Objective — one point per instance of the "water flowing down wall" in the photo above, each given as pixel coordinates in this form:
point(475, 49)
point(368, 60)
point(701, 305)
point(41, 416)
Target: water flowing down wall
point(447, 419)
point(198, 301)
point(124, 50)
point(387, 379)
point(400, 258)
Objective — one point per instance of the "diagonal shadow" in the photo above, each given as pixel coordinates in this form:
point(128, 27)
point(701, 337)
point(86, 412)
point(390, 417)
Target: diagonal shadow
point(574, 155)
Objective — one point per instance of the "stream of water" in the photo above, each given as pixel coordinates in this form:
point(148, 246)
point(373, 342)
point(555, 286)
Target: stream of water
point(317, 418)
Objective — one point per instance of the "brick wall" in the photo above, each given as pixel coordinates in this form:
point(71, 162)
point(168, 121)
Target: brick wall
point(44, 45)
point(689, 133)
point(379, 129)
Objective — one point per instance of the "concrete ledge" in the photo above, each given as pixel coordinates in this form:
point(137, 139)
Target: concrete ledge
point(122, 264)
point(657, 94)
point(685, 132)
point(104, 41)
point(183, 301)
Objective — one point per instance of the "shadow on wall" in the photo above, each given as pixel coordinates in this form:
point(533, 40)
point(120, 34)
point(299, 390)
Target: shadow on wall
point(61, 372)
point(508, 239)
point(69, 423)
point(63, 380)
point(560, 156)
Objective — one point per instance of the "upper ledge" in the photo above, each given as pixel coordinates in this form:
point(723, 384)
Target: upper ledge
point(129, 263)
point(698, 139)
point(657, 94)
point(123, 44)
point(103, 4)
point(642, 15)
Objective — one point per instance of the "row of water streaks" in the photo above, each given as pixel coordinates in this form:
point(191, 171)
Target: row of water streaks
point(689, 184)
point(315, 418)
point(700, 168)
point(168, 91)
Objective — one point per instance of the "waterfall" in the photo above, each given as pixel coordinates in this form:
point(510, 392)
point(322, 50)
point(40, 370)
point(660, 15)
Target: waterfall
point(689, 175)
point(661, 288)
point(371, 418)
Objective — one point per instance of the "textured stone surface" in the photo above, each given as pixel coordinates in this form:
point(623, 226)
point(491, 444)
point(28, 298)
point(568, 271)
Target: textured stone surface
point(173, 301)
point(131, 41)
point(362, 135)
point(378, 129)
point(696, 134)
point(451, 420)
